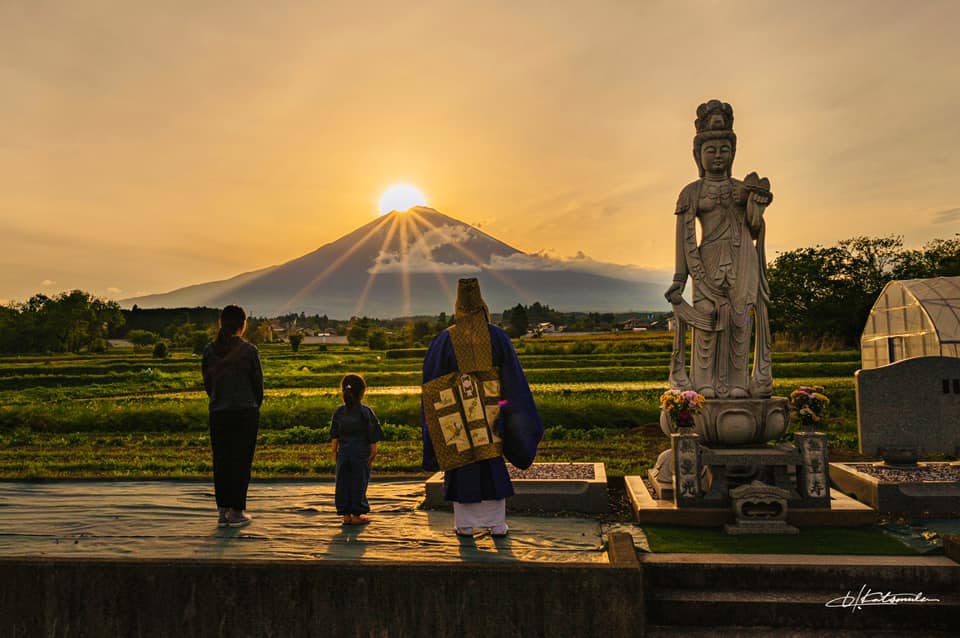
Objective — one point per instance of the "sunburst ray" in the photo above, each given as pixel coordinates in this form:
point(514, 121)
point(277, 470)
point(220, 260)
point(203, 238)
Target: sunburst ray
point(373, 270)
point(471, 256)
point(333, 266)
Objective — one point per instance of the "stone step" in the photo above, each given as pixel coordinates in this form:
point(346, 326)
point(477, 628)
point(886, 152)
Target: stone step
point(676, 631)
point(936, 575)
point(795, 609)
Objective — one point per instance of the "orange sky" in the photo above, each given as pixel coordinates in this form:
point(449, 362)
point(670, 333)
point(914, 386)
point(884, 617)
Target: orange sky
point(151, 145)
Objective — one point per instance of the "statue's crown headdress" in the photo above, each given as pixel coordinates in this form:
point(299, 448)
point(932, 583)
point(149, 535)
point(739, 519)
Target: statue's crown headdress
point(714, 116)
point(714, 121)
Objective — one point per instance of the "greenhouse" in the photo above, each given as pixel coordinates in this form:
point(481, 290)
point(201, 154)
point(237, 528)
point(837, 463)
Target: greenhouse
point(913, 318)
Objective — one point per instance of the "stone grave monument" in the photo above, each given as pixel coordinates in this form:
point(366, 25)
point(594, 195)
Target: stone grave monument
point(907, 411)
point(727, 446)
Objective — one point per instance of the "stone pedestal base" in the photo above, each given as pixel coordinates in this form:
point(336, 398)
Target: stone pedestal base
point(813, 474)
point(760, 509)
point(686, 468)
point(802, 470)
point(728, 422)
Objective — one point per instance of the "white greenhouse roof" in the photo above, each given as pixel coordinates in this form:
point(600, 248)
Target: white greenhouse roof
point(940, 298)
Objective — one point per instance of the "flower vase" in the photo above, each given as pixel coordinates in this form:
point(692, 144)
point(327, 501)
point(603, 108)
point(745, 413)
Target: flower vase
point(685, 425)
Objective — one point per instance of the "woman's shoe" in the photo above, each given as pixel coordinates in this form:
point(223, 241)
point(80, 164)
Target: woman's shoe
point(463, 531)
point(237, 518)
point(360, 520)
point(221, 517)
point(500, 531)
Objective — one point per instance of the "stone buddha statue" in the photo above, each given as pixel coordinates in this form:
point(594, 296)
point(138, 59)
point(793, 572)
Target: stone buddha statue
point(727, 268)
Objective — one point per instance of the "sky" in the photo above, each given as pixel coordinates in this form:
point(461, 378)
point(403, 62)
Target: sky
point(151, 145)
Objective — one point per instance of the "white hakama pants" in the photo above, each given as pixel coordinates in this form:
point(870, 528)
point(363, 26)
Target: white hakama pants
point(485, 514)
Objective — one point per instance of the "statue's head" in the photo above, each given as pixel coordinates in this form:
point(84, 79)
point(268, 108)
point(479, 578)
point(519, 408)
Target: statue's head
point(714, 124)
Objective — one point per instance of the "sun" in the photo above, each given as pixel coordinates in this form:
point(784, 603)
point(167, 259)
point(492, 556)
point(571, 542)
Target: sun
point(401, 197)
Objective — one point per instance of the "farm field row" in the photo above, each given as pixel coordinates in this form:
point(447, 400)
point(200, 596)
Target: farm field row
point(128, 415)
point(152, 456)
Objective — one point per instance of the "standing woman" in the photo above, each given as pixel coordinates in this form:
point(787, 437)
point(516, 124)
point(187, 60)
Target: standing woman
point(233, 379)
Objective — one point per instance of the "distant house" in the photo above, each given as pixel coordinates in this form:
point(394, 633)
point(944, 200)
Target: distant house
point(324, 337)
point(913, 318)
point(545, 327)
point(645, 324)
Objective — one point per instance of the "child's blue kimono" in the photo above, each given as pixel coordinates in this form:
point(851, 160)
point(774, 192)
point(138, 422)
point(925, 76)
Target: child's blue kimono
point(356, 428)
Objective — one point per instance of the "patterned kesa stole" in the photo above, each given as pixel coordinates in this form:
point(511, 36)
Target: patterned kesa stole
point(462, 407)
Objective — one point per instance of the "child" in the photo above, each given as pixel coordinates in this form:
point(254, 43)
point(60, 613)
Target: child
point(354, 433)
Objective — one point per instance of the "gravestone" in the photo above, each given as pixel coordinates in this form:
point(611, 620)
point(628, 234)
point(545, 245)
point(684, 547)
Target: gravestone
point(906, 411)
point(909, 409)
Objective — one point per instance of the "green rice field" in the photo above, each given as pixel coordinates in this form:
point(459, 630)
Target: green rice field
point(125, 414)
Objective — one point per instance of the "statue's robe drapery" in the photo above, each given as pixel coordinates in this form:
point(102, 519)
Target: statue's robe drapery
point(728, 270)
point(518, 423)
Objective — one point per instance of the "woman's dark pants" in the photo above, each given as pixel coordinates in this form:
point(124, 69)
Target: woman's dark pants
point(353, 475)
point(233, 436)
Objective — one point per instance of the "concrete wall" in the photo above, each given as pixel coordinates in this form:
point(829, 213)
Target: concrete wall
point(131, 598)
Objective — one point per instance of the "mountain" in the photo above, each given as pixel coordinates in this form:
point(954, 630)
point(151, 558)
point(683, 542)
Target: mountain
point(408, 263)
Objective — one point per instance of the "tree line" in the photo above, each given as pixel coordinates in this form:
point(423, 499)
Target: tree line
point(819, 295)
point(68, 322)
point(823, 295)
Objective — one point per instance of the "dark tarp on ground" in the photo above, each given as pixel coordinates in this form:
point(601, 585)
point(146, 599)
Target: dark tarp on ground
point(292, 520)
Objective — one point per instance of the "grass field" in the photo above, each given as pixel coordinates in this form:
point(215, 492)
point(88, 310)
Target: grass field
point(124, 414)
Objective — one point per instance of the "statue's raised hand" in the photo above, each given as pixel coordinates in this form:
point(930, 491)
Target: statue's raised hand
point(758, 198)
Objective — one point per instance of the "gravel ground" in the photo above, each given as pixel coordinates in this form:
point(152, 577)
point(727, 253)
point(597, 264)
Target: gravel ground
point(582, 471)
point(923, 473)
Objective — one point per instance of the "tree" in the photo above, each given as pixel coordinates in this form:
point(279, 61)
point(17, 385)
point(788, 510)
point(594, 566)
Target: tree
point(260, 331)
point(296, 338)
point(377, 339)
point(827, 293)
point(518, 322)
point(160, 350)
point(142, 337)
point(69, 322)
point(200, 340)
point(938, 258)
point(357, 332)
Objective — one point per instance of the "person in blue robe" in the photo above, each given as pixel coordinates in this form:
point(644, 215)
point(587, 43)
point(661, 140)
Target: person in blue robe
point(479, 490)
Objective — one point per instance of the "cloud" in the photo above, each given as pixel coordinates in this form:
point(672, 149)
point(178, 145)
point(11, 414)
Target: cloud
point(419, 258)
point(947, 216)
point(113, 290)
point(413, 263)
point(542, 261)
point(48, 282)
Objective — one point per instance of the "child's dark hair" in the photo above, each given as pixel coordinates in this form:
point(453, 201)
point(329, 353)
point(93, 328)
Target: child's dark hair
point(231, 320)
point(353, 387)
